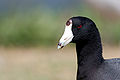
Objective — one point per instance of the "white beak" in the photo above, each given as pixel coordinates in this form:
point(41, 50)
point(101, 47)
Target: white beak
point(67, 37)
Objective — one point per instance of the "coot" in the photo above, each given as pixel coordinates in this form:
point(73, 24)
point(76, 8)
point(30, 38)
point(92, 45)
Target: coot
point(91, 64)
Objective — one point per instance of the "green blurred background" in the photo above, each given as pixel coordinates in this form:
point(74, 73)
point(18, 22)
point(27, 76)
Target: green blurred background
point(41, 22)
point(30, 30)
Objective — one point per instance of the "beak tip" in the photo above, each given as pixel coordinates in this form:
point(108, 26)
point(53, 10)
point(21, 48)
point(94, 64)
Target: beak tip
point(58, 47)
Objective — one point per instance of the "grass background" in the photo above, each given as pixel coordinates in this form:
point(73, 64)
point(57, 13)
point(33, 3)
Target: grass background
point(43, 63)
point(37, 27)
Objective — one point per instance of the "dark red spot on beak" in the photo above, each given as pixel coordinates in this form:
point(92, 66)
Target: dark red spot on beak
point(68, 23)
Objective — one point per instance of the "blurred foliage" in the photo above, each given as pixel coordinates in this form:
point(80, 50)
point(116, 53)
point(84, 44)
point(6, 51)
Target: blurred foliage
point(109, 29)
point(44, 27)
point(30, 28)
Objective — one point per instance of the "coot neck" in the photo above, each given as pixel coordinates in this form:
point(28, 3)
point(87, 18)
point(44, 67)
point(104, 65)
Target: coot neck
point(89, 57)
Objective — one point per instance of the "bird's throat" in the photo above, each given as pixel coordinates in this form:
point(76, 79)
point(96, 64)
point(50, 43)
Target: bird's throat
point(89, 57)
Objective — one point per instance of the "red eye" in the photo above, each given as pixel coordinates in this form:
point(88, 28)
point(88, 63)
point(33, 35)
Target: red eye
point(79, 26)
point(68, 23)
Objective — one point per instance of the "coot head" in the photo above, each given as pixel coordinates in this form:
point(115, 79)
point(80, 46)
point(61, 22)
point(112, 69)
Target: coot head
point(78, 30)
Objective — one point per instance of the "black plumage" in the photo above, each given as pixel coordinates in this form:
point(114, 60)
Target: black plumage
point(91, 64)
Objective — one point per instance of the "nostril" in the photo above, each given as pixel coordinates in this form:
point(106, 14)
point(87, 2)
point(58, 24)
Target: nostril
point(65, 38)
